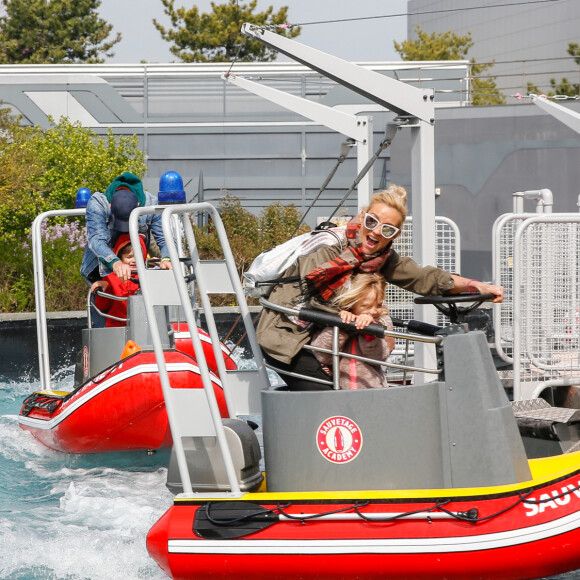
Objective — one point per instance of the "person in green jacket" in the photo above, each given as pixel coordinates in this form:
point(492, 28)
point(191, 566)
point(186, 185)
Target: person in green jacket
point(327, 271)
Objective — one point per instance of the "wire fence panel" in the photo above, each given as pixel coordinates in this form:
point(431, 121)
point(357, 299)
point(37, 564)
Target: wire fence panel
point(504, 232)
point(546, 301)
point(448, 255)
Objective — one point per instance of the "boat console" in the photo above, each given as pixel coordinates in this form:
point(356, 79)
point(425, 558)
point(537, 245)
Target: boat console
point(401, 437)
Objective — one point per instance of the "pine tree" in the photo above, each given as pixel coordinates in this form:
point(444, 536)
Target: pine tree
point(216, 36)
point(53, 31)
point(564, 87)
point(451, 46)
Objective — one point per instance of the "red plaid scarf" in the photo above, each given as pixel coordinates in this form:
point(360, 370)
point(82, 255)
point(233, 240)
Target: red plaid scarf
point(331, 275)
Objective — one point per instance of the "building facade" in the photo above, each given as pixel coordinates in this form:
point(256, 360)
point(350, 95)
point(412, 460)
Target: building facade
point(527, 40)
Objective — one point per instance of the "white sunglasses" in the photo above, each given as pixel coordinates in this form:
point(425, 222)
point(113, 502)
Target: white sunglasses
point(388, 231)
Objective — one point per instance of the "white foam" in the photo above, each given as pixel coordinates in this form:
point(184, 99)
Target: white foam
point(94, 526)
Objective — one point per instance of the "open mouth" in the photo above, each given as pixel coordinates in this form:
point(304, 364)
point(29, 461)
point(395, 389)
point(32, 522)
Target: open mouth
point(372, 242)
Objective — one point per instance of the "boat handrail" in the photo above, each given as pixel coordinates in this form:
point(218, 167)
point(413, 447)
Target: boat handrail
point(212, 276)
point(310, 315)
point(330, 319)
point(39, 294)
point(90, 306)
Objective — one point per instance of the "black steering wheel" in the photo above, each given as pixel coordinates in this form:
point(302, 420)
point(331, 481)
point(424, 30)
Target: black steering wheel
point(448, 304)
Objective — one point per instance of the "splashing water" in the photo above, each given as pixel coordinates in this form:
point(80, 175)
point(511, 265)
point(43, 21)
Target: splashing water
point(65, 517)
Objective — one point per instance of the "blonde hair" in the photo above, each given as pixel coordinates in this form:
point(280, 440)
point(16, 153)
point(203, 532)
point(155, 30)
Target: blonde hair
point(394, 196)
point(361, 285)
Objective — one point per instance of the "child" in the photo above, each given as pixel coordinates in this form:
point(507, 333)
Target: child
point(112, 284)
point(362, 304)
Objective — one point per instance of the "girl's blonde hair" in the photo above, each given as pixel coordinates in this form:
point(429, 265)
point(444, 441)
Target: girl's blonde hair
point(361, 285)
point(394, 196)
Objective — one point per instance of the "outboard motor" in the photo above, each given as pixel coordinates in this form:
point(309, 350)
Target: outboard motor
point(205, 461)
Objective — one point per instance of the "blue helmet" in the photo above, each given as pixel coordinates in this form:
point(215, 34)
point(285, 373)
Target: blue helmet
point(171, 188)
point(83, 195)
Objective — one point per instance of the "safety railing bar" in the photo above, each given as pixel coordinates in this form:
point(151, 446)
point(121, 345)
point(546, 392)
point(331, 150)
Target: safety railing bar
point(498, 225)
point(167, 223)
point(245, 313)
point(403, 335)
point(298, 375)
point(233, 276)
point(39, 293)
point(185, 210)
point(156, 339)
point(373, 361)
point(111, 297)
point(537, 218)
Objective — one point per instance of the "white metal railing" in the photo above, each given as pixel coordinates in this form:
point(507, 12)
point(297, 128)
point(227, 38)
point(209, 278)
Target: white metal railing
point(503, 236)
point(39, 294)
point(448, 255)
point(546, 302)
point(195, 412)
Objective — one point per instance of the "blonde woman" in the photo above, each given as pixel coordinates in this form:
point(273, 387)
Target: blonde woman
point(369, 247)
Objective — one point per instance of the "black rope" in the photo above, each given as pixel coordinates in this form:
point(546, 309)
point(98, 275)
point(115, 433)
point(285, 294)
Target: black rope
point(303, 518)
point(367, 518)
point(470, 515)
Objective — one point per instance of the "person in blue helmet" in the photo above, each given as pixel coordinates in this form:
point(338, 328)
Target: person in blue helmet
point(107, 217)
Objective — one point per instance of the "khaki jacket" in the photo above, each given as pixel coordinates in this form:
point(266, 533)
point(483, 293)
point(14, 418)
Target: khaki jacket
point(282, 339)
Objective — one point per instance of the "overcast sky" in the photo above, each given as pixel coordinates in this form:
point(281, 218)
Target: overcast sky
point(367, 40)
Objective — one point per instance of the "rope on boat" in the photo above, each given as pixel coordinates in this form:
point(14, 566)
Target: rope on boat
point(258, 513)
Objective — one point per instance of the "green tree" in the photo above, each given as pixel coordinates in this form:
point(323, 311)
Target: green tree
point(55, 31)
point(41, 169)
point(216, 36)
point(564, 87)
point(451, 46)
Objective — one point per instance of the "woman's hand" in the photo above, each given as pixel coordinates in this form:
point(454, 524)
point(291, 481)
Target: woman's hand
point(484, 288)
point(461, 284)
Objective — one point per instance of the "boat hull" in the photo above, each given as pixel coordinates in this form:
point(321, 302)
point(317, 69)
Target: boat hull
point(522, 531)
point(120, 409)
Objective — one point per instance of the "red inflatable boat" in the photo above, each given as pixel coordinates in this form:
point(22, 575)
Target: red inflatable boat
point(527, 530)
point(122, 408)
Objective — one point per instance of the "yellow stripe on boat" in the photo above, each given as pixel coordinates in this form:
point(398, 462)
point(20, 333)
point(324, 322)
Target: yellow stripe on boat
point(543, 471)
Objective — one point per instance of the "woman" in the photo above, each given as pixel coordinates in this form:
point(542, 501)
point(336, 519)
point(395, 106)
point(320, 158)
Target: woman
point(327, 271)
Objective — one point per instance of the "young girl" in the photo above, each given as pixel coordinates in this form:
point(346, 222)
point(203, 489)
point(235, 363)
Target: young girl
point(361, 304)
point(112, 284)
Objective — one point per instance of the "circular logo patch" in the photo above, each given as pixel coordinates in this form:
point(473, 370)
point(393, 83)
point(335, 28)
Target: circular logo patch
point(339, 439)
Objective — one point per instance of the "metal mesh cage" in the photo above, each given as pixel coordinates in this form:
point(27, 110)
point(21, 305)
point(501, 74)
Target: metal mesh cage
point(447, 239)
point(546, 300)
point(504, 232)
